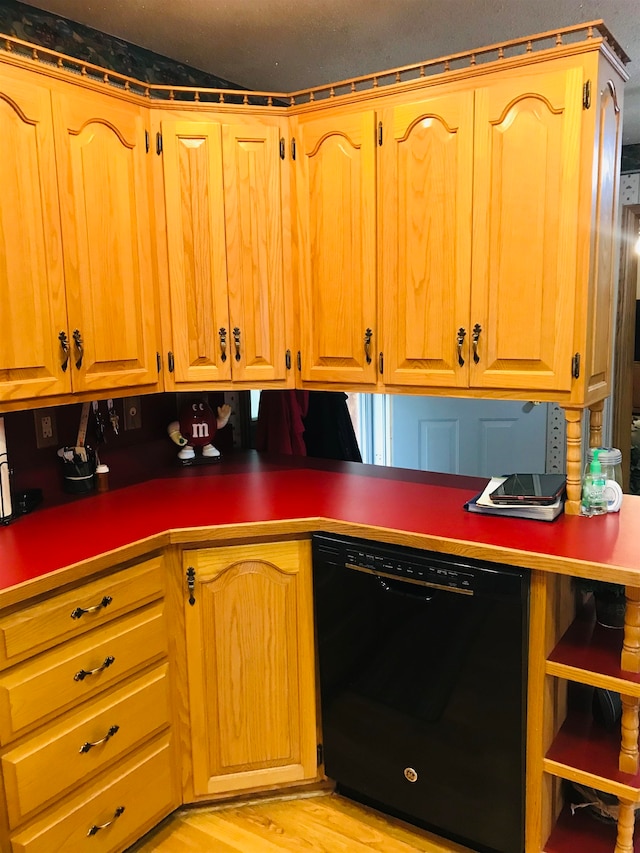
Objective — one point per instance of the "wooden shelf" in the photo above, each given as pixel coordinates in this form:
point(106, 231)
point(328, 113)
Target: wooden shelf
point(587, 753)
point(590, 654)
point(582, 832)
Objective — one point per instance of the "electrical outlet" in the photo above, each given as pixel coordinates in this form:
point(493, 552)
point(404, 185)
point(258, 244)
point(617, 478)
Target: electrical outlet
point(132, 413)
point(46, 428)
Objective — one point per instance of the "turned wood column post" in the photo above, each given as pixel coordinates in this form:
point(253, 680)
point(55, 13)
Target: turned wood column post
point(626, 820)
point(628, 758)
point(595, 424)
point(574, 460)
point(630, 658)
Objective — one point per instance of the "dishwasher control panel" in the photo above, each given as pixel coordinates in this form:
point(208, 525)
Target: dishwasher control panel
point(420, 571)
point(429, 568)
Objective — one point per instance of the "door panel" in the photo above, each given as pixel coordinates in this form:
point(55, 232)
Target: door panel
point(250, 665)
point(253, 215)
point(201, 338)
point(337, 252)
point(526, 193)
point(107, 240)
point(483, 438)
point(425, 212)
point(32, 300)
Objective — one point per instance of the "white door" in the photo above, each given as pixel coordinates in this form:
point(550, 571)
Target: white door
point(482, 438)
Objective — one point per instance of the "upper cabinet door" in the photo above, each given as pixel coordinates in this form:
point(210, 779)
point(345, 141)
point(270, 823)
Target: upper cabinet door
point(426, 175)
point(526, 198)
point(194, 205)
point(104, 202)
point(254, 240)
point(32, 300)
point(337, 248)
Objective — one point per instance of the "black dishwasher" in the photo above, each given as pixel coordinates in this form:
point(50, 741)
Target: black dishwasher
point(423, 662)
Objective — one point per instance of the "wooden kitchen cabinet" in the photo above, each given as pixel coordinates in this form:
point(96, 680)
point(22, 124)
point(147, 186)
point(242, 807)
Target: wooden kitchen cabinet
point(336, 232)
point(426, 188)
point(104, 205)
point(251, 669)
point(85, 705)
point(478, 248)
point(225, 187)
point(33, 310)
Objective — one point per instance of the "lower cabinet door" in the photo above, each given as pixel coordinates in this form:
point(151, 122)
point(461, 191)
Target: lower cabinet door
point(251, 667)
point(114, 813)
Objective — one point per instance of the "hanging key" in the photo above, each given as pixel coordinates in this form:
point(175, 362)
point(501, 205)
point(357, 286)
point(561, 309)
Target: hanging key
point(113, 417)
point(100, 425)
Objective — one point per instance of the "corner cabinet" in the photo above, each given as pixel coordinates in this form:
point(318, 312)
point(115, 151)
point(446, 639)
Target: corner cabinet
point(225, 185)
point(251, 667)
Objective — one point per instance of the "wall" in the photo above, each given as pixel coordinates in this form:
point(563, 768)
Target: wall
point(132, 455)
point(68, 37)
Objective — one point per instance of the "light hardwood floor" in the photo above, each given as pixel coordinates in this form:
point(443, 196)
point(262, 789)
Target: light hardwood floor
point(320, 824)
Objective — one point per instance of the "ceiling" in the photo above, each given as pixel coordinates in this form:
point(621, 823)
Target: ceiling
point(281, 45)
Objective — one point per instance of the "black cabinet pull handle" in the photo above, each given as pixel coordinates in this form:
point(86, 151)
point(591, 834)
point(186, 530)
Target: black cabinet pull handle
point(84, 673)
point(367, 345)
point(223, 343)
point(79, 345)
point(236, 341)
point(64, 346)
point(476, 335)
point(90, 744)
point(80, 611)
point(98, 826)
point(459, 341)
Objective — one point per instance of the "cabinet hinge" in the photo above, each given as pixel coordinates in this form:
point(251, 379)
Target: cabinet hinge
point(319, 754)
point(158, 362)
point(147, 143)
point(191, 584)
point(171, 362)
point(282, 148)
point(287, 359)
point(379, 133)
point(381, 364)
point(586, 95)
point(299, 360)
point(293, 148)
point(158, 143)
point(575, 366)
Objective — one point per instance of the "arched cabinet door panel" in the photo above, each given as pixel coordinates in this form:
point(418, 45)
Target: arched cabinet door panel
point(33, 311)
point(251, 671)
point(336, 228)
point(426, 181)
point(104, 203)
point(525, 230)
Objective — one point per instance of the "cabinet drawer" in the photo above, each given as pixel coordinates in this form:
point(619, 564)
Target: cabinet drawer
point(69, 674)
point(65, 755)
point(69, 614)
point(143, 788)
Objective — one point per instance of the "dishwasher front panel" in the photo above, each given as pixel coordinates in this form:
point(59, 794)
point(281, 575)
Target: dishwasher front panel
point(423, 687)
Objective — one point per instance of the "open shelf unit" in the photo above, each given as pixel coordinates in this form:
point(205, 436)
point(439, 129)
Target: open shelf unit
point(584, 751)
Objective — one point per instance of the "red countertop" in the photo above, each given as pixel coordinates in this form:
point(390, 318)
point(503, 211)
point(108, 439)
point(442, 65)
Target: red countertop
point(285, 496)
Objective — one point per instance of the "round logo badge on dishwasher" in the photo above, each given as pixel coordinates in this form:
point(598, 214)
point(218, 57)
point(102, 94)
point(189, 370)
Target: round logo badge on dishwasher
point(410, 774)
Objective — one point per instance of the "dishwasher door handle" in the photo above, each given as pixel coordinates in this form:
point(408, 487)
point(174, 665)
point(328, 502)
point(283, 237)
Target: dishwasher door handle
point(406, 589)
